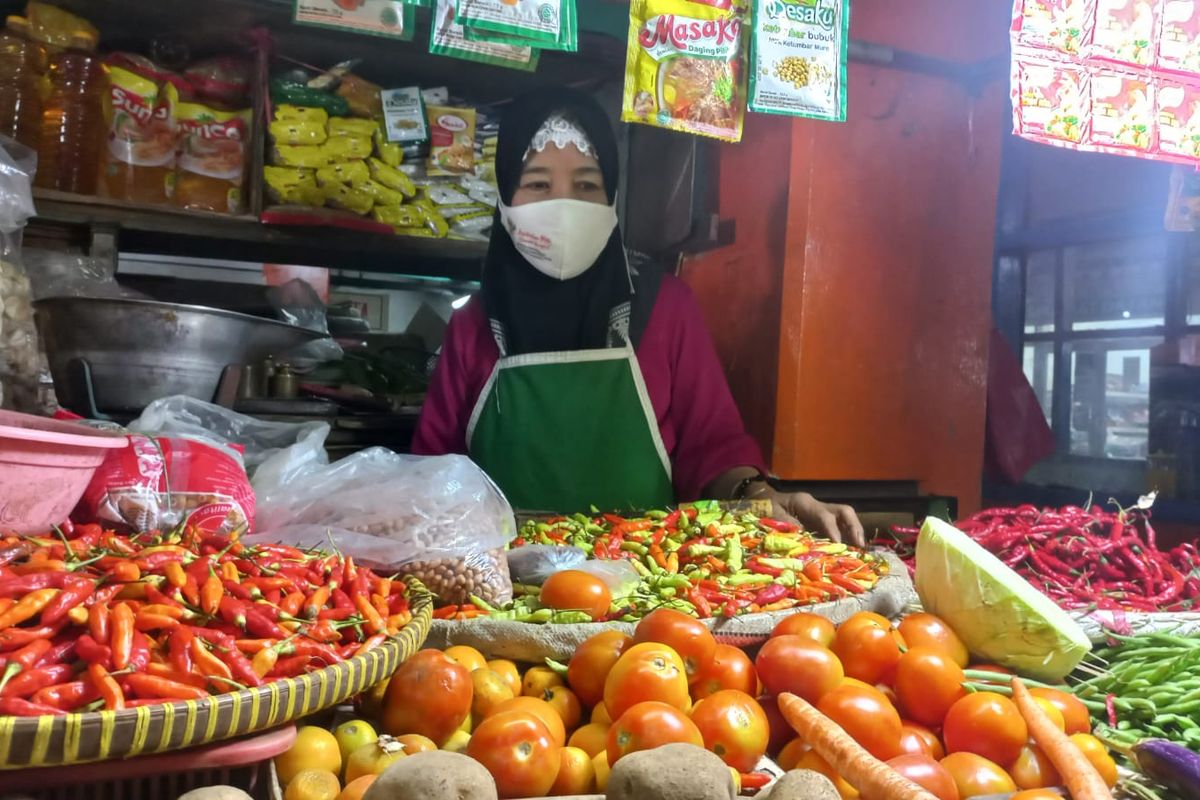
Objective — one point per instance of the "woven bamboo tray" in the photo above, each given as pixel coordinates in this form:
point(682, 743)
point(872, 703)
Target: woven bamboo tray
point(101, 735)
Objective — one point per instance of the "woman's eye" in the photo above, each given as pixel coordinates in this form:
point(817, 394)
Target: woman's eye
point(588, 186)
point(536, 186)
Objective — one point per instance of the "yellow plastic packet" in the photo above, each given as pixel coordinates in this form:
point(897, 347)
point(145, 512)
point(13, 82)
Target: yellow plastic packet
point(389, 153)
point(399, 216)
point(309, 156)
point(290, 113)
point(292, 186)
point(347, 148)
point(391, 177)
point(343, 172)
point(294, 131)
point(58, 28)
point(434, 222)
point(339, 195)
point(383, 195)
point(684, 66)
point(350, 126)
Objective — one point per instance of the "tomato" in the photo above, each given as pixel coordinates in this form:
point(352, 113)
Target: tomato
point(576, 775)
point(987, 724)
point(807, 626)
point(1032, 769)
point(867, 618)
point(928, 774)
point(976, 775)
point(538, 679)
point(927, 684)
point(490, 690)
point(791, 754)
point(574, 589)
point(469, 657)
point(415, 743)
point(507, 670)
point(729, 668)
point(685, 635)
point(602, 768)
point(926, 630)
point(919, 740)
point(591, 738)
point(646, 672)
point(1036, 794)
point(734, 726)
point(517, 749)
point(867, 716)
point(648, 725)
point(1052, 713)
point(797, 665)
point(1075, 713)
point(600, 715)
point(781, 732)
point(811, 760)
point(564, 701)
point(541, 710)
point(429, 694)
point(867, 651)
point(1097, 753)
point(591, 662)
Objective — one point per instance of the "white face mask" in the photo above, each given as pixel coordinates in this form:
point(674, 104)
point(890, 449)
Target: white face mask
point(560, 238)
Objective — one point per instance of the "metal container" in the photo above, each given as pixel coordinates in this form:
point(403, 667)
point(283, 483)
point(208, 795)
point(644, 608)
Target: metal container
point(136, 351)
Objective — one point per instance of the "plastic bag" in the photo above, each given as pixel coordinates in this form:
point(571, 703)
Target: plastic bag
point(533, 563)
point(274, 453)
point(297, 303)
point(440, 520)
point(53, 273)
point(21, 362)
point(798, 59)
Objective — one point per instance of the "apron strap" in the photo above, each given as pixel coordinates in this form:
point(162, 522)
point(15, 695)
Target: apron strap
point(648, 277)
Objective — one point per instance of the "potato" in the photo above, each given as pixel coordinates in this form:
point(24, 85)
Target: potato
point(802, 784)
point(434, 776)
point(216, 793)
point(671, 772)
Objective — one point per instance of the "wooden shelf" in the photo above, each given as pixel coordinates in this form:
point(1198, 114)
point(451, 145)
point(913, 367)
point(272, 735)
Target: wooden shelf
point(170, 231)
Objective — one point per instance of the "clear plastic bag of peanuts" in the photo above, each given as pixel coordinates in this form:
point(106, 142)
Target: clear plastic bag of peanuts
point(439, 519)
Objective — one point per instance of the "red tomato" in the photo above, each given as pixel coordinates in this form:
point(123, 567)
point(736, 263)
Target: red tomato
point(987, 724)
point(926, 630)
point(648, 725)
point(781, 732)
point(975, 775)
point(797, 665)
point(646, 672)
point(729, 668)
point(1033, 770)
point(919, 740)
point(429, 694)
point(1095, 751)
point(867, 651)
point(867, 716)
point(927, 684)
point(808, 626)
point(516, 748)
point(734, 726)
point(574, 589)
point(1075, 713)
point(868, 618)
point(928, 774)
point(685, 635)
point(591, 662)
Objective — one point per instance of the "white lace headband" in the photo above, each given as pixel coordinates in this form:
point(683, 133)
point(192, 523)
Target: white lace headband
point(560, 131)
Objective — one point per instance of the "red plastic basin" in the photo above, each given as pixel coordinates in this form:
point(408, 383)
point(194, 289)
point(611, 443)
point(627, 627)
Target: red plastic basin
point(45, 466)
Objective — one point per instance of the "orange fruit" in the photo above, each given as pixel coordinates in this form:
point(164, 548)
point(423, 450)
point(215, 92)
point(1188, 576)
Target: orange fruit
point(591, 738)
point(601, 768)
point(357, 788)
point(600, 715)
point(374, 758)
point(507, 670)
point(416, 743)
point(576, 774)
point(791, 754)
point(540, 709)
point(352, 735)
point(538, 679)
point(490, 690)
point(314, 749)
point(469, 657)
point(564, 701)
point(313, 784)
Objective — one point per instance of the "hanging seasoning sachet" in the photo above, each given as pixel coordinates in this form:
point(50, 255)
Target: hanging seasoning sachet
point(798, 52)
point(544, 24)
point(685, 66)
point(447, 38)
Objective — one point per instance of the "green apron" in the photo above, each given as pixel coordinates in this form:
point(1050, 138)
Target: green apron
point(566, 431)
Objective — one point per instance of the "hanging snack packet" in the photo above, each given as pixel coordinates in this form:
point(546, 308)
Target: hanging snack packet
point(1179, 42)
point(1122, 109)
point(1125, 31)
point(404, 117)
point(798, 58)
point(684, 66)
point(1050, 100)
point(212, 158)
point(481, 25)
point(451, 140)
point(1061, 25)
point(1178, 118)
point(447, 38)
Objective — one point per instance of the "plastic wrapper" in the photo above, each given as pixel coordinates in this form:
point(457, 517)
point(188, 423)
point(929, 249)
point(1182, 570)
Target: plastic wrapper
point(21, 362)
point(381, 194)
point(291, 185)
point(391, 177)
point(684, 67)
point(212, 158)
point(343, 172)
point(1051, 99)
point(348, 199)
point(1125, 31)
point(534, 563)
point(53, 273)
point(139, 160)
point(798, 59)
point(290, 113)
point(294, 131)
point(536, 23)
point(1061, 25)
point(447, 37)
point(451, 140)
point(361, 95)
point(54, 26)
point(348, 148)
point(225, 79)
point(307, 156)
point(1178, 117)
point(440, 520)
point(1179, 40)
point(1122, 109)
point(349, 126)
point(297, 303)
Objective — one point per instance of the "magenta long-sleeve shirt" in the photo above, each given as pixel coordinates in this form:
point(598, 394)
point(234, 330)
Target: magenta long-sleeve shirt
point(699, 423)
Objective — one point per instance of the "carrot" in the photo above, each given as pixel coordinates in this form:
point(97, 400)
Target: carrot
point(874, 779)
point(1081, 778)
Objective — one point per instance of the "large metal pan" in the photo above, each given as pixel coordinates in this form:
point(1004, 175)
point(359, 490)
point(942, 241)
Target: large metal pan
point(140, 350)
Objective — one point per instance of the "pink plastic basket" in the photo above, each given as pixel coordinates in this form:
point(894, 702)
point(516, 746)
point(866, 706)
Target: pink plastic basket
point(45, 465)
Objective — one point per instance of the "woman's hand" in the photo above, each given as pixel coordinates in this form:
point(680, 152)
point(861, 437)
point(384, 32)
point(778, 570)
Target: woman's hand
point(831, 520)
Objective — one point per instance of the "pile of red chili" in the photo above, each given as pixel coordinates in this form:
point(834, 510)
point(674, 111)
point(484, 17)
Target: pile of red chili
point(93, 619)
point(1082, 557)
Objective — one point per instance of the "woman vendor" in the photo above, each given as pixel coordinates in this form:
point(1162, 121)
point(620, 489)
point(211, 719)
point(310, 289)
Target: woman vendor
point(573, 380)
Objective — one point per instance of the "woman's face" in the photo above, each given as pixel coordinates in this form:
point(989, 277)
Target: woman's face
point(560, 174)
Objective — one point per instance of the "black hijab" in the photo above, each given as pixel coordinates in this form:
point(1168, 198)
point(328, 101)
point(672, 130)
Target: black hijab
point(533, 313)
